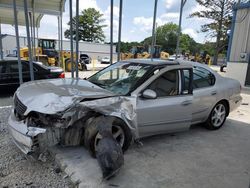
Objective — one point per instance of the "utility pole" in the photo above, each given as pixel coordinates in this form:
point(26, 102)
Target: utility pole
point(153, 30)
point(179, 29)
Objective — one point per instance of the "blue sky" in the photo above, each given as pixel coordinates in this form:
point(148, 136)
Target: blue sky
point(137, 19)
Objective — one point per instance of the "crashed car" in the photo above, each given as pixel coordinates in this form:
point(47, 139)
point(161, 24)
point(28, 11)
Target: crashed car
point(144, 97)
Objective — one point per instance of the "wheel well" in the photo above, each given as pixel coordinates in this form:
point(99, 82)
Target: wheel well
point(227, 104)
point(118, 119)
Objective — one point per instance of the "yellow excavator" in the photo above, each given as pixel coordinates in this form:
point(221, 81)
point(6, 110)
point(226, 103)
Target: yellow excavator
point(48, 55)
point(142, 53)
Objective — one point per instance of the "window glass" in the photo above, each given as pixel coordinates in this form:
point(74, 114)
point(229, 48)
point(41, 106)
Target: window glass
point(166, 85)
point(13, 67)
point(120, 78)
point(202, 78)
point(186, 83)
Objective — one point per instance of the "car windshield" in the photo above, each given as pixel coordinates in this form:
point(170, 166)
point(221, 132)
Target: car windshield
point(120, 78)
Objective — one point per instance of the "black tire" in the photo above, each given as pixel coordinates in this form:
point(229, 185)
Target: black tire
point(83, 67)
point(222, 68)
point(91, 132)
point(210, 123)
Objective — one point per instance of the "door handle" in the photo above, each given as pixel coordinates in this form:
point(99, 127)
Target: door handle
point(185, 103)
point(213, 92)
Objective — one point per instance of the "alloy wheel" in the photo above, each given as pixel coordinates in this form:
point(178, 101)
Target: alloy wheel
point(218, 115)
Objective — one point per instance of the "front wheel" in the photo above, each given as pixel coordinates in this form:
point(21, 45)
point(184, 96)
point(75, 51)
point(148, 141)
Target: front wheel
point(120, 132)
point(217, 117)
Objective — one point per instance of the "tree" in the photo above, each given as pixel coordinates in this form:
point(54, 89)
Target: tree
point(188, 44)
point(166, 36)
point(220, 14)
point(90, 26)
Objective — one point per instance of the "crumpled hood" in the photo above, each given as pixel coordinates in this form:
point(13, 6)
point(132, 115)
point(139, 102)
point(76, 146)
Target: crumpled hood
point(56, 95)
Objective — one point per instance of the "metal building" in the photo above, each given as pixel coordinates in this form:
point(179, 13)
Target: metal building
point(238, 58)
point(94, 50)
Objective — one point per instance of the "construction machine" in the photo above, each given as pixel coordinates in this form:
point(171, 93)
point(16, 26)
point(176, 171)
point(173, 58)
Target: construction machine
point(45, 52)
point(203, 57)
point(143, 53)
point(158, 53)
point(47, 47)
point(48, 55)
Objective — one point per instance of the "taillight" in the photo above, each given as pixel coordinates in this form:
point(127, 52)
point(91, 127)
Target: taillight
point(62, 75)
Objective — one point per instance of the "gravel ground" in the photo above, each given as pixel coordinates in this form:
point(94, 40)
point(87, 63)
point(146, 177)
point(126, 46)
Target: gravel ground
point(17, 171)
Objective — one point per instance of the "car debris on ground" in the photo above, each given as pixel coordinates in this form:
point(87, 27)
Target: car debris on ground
point(19, 171)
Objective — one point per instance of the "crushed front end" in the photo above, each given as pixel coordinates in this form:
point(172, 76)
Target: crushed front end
point(24, 137)
point(34, 132)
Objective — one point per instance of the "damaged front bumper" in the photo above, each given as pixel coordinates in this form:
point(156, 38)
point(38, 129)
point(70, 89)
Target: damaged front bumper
point(24, 137)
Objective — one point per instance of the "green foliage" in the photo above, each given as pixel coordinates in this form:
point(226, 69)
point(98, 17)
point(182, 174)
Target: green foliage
point(166, 36)
point(219, 12)
point(90, 26)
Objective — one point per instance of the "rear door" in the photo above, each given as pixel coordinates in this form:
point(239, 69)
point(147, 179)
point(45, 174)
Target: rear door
point(171, 111)
point(205, 93)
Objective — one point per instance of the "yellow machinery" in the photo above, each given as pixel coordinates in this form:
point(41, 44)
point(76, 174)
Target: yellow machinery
point(201, 58)
point(45, 52)
point(48, 48)
point(141, 52)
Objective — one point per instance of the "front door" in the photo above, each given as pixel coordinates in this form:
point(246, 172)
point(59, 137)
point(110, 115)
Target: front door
point(171, 110)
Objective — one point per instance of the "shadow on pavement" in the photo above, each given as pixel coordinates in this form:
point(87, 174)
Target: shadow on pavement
point(187, 159)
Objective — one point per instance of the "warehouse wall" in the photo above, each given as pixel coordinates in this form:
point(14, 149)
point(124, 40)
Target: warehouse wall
point(238, 68)
point(241, 35)
point(94, 50)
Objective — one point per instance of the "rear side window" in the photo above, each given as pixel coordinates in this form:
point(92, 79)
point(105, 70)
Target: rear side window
point(13, 67)
point(202, 78)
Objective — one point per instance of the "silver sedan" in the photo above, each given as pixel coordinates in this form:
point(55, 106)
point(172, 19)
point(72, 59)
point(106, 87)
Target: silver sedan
point(143, 98)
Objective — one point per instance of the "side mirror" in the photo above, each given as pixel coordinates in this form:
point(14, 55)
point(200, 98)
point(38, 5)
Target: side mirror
point(149, 94)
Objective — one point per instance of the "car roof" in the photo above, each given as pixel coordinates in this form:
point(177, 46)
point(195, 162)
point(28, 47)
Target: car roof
point(11, 59)
point(158, 62)
point(155, 62)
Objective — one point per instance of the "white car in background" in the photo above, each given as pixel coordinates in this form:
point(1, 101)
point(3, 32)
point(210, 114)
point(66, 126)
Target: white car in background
point(105, 60)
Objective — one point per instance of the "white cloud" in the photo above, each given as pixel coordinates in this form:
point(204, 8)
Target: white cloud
point(145, 24)
point(191, 33)
point(172, 4)
point(170, 15)
point(169, 3)
point(115, 23)
point(88, 4)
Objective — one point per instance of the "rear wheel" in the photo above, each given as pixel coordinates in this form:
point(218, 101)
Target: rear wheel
point(218, 116)
point(82, 66)
point(120, 132)
point(68, 65)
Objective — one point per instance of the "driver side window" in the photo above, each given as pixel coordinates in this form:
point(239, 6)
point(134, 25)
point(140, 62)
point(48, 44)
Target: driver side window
point(166, 85)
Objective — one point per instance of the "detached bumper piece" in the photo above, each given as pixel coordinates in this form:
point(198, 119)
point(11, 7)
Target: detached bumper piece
point(23, 136)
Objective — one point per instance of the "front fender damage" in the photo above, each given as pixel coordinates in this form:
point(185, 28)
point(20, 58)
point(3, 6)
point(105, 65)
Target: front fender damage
point(120, 106)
